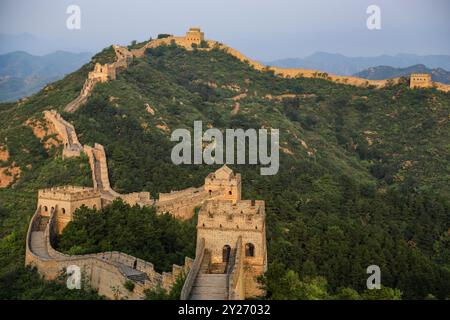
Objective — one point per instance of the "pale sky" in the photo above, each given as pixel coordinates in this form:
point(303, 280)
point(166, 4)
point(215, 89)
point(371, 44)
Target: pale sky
point(262, 29)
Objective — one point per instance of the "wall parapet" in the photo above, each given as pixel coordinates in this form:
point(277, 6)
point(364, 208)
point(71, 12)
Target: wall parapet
point(236, 285)
point(192, 275)
point(68, 193)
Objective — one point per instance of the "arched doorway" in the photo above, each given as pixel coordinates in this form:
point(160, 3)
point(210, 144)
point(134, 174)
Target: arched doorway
point(226, 253)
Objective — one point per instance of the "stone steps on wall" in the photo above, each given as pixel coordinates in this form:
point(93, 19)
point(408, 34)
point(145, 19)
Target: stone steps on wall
point(210, 287)
point(38, 245)
point(43, 222)
point(138, 277)
point(97, 171)
point(133, 274)
point(209, 296)
point(218, 268)
point(212, 279)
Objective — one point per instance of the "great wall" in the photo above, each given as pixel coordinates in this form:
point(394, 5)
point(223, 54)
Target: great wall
point(231, 233)
point(195, 38)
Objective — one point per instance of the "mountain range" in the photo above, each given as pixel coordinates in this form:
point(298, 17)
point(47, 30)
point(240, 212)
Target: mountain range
point(22, 74)
point(385, 72)
point(343, 65)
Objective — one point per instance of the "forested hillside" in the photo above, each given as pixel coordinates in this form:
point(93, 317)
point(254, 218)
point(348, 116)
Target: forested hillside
point(364, 173)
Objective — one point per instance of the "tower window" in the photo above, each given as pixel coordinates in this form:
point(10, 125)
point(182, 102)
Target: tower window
point(226, 253)
point(249, 250)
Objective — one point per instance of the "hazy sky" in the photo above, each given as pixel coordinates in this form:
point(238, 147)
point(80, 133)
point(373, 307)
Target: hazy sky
point(263, 29)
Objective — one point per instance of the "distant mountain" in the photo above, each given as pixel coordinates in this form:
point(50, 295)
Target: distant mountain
point(384, 72)
point(342, 65)
point(22, 74)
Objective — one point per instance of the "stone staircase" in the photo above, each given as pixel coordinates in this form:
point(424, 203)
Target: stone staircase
point(43, 221)
point(37, 241)
point(82, 97)
point(209, 286)
point(98, 173)
point(211, 282)
point(142, 277)
point(133, 274)
point(218, 268)
point(38, 245)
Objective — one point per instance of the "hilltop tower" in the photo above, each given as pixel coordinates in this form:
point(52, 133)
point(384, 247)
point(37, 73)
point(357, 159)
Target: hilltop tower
point(102, 73)
point(420, 80)
point(65, 200)
point(226, 180)
point(195, 35)
point(234, 234)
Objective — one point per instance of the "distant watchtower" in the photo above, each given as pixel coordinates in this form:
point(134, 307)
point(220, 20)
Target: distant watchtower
point(195, 35)
point(420, 80)
point(227, 181)
point(102, 73)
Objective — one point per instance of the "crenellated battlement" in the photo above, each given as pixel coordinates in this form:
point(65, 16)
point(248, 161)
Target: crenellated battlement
point(177, 194)
point(68, 193)
point(244, 215)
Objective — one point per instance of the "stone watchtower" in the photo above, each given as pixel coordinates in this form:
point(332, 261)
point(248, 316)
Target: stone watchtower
point(234, 234)
point(227, 181)
point(64, 201)
point(420, 80)
point(195, 35)
point(102, 73)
